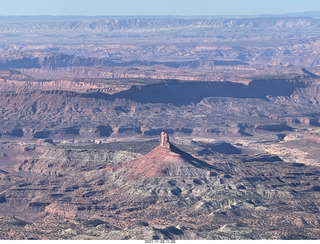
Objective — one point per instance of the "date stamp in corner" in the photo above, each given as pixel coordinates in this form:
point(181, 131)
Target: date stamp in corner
point(159, 241)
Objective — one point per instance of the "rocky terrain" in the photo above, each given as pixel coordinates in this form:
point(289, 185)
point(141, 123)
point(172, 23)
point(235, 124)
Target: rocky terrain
point(85, 192)
point(153, 48)
point(84, 101)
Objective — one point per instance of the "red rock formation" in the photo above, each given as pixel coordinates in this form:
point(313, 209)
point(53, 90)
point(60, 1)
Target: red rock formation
point(164, 140)
point(165, 160)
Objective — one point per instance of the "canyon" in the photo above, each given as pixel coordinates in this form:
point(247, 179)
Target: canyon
point(180, 128)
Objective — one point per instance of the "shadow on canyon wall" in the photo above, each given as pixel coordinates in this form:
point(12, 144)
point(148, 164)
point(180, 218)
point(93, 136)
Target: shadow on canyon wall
point(183, 93)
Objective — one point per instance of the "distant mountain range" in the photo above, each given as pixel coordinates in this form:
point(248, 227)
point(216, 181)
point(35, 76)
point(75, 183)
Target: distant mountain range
point(49, 18)
point(100, 24)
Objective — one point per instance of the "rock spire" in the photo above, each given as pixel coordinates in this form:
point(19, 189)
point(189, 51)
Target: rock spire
point(164, 140)
point(166, 160)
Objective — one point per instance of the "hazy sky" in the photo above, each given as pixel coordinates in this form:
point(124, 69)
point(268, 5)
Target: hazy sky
point(155, 7)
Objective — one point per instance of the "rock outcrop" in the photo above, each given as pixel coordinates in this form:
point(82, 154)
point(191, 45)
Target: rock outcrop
point(166, 160)
point(164, 140)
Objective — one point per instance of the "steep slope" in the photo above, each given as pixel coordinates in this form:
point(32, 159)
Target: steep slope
point(166, 160)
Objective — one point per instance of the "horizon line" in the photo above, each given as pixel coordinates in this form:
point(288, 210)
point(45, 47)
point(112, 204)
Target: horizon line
point(164, 15)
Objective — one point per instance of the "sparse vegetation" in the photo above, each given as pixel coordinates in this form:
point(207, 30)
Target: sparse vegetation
point(82, 109)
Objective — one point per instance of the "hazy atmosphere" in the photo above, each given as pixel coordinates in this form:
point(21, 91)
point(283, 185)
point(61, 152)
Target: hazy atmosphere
point(159, 120)
point(156, 7)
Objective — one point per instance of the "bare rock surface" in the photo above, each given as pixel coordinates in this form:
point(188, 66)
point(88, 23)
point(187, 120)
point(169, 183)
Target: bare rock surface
point(166, 160)
point(245, 199)
point(84, 100)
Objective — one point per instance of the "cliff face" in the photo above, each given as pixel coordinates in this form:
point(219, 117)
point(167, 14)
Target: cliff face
point(11, 85)
point(63, 115)
point(187, 108)
point(164, 140)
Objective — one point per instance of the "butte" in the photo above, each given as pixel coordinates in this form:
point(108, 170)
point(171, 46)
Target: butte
point(166, 160)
